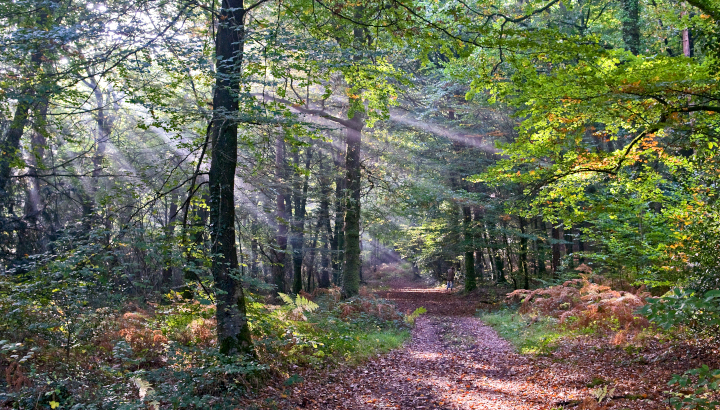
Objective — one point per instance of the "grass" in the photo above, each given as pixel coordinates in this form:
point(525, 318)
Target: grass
point(529, 334)
point(356, 340)
point(370, 344)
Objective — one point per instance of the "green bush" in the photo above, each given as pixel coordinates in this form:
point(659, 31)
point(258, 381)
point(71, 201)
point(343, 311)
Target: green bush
point(700, 314)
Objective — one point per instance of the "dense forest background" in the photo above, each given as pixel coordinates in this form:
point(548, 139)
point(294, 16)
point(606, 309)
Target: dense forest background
point(212, 158)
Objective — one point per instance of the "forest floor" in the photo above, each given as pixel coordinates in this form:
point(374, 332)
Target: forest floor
point(455, 361)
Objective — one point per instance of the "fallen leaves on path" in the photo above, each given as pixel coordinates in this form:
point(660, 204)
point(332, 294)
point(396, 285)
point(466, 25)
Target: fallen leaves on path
point(454, 362)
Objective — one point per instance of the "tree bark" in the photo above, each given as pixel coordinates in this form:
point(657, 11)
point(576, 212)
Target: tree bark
point(232, 323)
point(351, 274)
point(325, 226)
point(567, 235)
point(555, 250)
point(298, 237)
point(281, 239)
point(523, 252)
point(631, 25)
point(540, 245)
point(470, 283)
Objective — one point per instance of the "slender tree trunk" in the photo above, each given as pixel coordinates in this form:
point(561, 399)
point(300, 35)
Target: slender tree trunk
point(500, 263)
point(523, 252)
point(567, 233)
point(169, 231)
point(581, 245)
point(10, 145)
point(311, 262)
point(555, 250)
point(281, 240)
point(470, 283)
point(298, 242)
point(338, 243)
point(351, 274)
point(508, 252)
point(232, 323)
point(477, 237)
point(325, 226)
point(540, 245)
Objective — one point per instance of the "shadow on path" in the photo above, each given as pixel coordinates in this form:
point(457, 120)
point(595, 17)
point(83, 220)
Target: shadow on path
point(453, 361)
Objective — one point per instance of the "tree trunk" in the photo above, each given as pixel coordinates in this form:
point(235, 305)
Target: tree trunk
point(567, 234)
point(581, 245)
point(338, 243)
point(508, 253)
point(523, 252)
point(540, 245)
point(470, 283)
point(232, 323)
point(631, 25)
point(555, 250)
point(10, 145)
point(254, 267)
point(298, 234)
point(34, 206)
point(169, 231)
point(281, 240)
point(351, 274)
point(325, 226)
point(311, 263)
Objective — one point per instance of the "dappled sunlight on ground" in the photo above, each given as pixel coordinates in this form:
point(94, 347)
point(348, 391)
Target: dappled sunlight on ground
point(452, 362)
point(456, 362)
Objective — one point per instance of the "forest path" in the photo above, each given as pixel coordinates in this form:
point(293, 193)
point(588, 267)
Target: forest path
point(453, 361)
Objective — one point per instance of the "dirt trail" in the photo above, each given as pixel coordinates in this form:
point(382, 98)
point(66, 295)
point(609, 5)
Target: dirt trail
point(453, 361)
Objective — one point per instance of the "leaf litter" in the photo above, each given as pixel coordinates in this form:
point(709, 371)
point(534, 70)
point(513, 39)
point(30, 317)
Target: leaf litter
point(454, 361)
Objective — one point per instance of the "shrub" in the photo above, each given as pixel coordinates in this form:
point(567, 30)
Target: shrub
point(581, 303)
point(686, 308)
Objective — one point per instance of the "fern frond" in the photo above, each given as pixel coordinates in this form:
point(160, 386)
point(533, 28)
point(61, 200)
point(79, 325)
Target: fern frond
point(287, 299)
point(305, 304)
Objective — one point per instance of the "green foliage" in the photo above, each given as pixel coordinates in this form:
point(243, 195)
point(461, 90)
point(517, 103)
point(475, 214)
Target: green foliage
point(331, 333)
point(528, 334)
point(699, 313)
point(298, 306)
point(686, 308)
point(410, 319)
point(703, 383)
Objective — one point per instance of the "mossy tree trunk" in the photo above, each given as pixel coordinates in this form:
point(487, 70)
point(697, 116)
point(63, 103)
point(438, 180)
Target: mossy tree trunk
point(232, 322)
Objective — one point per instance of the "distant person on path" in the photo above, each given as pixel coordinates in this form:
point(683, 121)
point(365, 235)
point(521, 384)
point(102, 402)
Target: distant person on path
point(450, 278)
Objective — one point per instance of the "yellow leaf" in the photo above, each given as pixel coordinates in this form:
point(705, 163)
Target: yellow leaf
point(54, 404)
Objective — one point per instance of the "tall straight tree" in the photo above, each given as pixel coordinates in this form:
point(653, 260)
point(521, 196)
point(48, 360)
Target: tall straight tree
point(470, 283)
point(31, 95)
point(631, 25)
point(281, 239)
point(351, 274)
point(232, 323)
point(351, 277)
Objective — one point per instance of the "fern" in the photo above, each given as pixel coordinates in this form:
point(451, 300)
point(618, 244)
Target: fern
point(602, 393)
point(287, 299)
point(298, 306)
point(415, 314)
point(304, 304)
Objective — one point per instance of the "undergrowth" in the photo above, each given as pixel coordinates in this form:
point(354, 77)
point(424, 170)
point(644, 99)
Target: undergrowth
point(60, 353)
point(529, 334)
point(535, 320)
